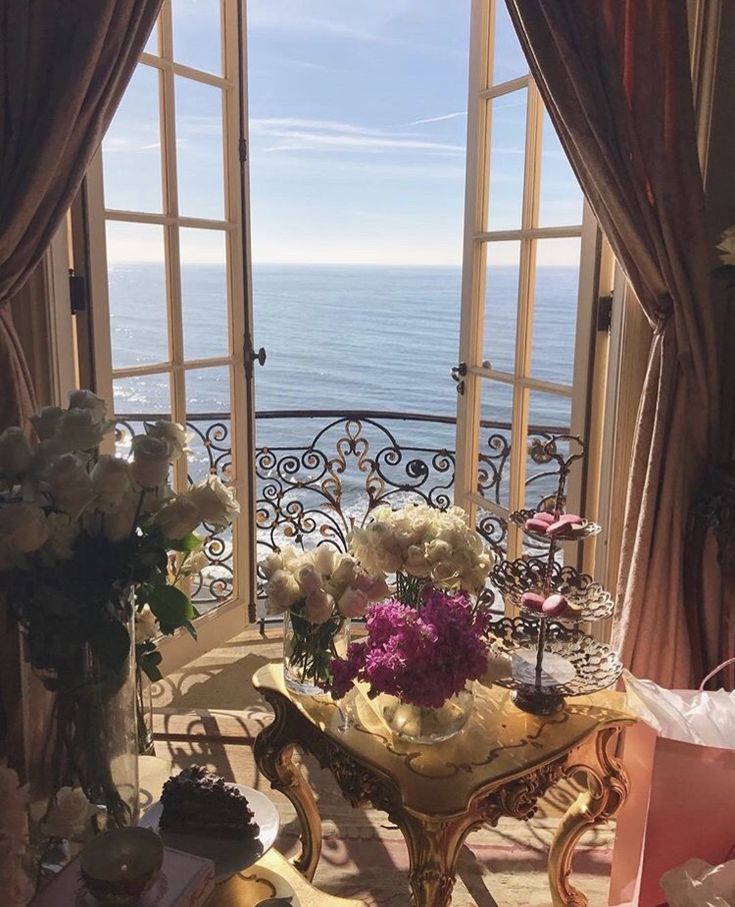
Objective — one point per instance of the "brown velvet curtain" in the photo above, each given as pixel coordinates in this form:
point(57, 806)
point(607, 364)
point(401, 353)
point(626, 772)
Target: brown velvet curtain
point(615, 76)
point(64, 65)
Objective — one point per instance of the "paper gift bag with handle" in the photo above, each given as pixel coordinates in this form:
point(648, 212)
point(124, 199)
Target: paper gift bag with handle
point(681, 765)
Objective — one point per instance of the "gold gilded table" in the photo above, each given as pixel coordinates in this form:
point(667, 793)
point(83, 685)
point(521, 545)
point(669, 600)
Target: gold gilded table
point(499, 765)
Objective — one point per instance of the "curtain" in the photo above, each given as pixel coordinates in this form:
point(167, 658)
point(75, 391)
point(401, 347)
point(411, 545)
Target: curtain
point(64, 65)
point(615, 77)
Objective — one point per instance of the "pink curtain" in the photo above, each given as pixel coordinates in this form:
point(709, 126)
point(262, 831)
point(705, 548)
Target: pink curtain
point(615, 76)
point(64, 65)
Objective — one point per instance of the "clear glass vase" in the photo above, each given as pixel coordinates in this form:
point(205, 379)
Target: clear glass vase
point(424, 725)
point(81, 753)
point(308, 650)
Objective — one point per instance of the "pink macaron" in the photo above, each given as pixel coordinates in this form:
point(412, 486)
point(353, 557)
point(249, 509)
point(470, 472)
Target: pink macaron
point(532, 600)
point(554, 605)
point(565, 522)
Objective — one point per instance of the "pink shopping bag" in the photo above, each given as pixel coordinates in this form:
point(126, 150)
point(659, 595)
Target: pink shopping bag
point(681, 805)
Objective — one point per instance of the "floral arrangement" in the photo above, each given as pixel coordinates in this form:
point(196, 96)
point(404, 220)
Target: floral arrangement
point(85, 537)
point(423, 546)
point(17, 888)
point(320, 589)
point(421, 656)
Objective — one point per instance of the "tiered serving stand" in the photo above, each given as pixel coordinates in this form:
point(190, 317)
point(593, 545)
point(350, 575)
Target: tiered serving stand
point(542, 658)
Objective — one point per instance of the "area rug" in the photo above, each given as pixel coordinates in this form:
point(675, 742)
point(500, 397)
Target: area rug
point(363, 855)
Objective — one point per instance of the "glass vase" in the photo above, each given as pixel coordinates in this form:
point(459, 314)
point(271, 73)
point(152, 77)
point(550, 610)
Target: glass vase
point(81, 753)
point(308, 650)
point(425, 725)
point(144, 714)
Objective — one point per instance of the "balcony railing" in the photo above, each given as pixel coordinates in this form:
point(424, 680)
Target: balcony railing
point(319, 472)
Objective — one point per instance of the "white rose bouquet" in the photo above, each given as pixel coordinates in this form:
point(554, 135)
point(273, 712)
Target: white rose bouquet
point(86, 537)
point(424, 547)
point(320, 589)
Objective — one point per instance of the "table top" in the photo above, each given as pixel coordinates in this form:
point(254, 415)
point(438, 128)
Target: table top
point(498, 744)
point(272, 876)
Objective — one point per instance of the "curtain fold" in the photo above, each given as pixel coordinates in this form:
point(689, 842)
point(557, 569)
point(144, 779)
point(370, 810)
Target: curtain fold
point(64, 65)
point(615, 77)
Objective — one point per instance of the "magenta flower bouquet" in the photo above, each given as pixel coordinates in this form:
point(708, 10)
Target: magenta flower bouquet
point(423, 656)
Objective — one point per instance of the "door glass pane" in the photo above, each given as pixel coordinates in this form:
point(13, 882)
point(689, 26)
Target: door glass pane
point(555, 309)
point(197, 41)
point(199, 149)
point(131, 149)
point(549, 415)
point(137, 293)
point(204, 293)
point(501, 304)
point(509, 61)
point(560, 202)
point(496, 414)
point(208, 414)
point(507, 156)
point(151, 46)
point(137, 400)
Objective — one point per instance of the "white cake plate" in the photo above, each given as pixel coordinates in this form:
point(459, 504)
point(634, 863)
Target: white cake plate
point(229, 855)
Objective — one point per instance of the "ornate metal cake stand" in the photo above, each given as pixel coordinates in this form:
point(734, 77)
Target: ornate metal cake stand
point(573, 663)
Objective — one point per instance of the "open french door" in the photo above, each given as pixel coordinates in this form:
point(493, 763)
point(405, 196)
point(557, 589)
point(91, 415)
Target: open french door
point(165, 213)
point(532, 353)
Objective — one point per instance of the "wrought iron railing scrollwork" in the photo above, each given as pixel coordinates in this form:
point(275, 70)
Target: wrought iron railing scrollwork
point(320, 472)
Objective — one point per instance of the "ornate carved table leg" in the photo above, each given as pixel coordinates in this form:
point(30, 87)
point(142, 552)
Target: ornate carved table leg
point(274, 748)
point(607, 786)
point(433, 848)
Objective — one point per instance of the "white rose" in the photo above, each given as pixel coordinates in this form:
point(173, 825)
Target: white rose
point(271, 563)
point(309, 579)
point(61, 534)
point(195, 563)
point(172, 432)
point(146, 625)
point(178, 518)
point(78, 429)
point(215, 502)
point(69, 483)
point(15, 452)
point(727, 246)
point(22, 527)
point(118, 524)
point(438, 550)
point(353, 603)
point(325, 559)
point(375, 587)
point(344, 571)
point(319, 607)
point(43, 455)
point(87, 400)
point(416, 562)
point(70, 814)
point(151, 458)
point(46, 421)
point(282, 591)
point(111, 482)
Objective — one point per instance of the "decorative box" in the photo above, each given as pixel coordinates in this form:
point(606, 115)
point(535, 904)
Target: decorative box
point(184, 881)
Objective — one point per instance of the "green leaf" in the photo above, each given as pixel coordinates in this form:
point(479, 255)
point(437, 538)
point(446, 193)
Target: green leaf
point(172, 608)
point(191, 629)
point(188, 544)
point(148, 663)
point(111, 642)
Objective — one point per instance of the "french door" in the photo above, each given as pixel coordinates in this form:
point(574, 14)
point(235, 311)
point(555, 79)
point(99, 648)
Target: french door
point(531, 354)
point(168, 253)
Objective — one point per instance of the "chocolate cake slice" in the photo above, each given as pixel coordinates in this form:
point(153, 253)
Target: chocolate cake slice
point(199, 802)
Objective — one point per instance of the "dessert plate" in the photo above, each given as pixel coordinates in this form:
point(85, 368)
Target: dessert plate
point(229, 855)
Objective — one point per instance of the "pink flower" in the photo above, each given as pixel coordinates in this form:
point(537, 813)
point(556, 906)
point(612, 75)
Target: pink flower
point(421, 655)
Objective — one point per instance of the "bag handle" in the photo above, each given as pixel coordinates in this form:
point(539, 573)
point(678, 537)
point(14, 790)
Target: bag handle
point(716, 671)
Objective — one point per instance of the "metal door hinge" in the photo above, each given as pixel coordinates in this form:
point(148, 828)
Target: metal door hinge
point(458, 375)
point(243, 150)
point(604, 312)
point(77, 292)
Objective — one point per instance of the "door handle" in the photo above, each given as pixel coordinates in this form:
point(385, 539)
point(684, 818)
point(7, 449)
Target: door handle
point(258, 357)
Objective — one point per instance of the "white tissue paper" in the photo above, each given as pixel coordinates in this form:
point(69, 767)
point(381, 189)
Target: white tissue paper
point(698, 884)
point(706, 718)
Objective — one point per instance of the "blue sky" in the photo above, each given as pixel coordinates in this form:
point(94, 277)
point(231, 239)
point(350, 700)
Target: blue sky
point(358, 129)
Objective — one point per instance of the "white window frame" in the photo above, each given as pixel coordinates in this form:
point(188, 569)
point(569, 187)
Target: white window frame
point(231, 616)
point(587, 391)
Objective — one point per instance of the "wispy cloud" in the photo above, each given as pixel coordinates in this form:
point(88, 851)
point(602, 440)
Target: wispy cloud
point(298, 134)
point(446, 116)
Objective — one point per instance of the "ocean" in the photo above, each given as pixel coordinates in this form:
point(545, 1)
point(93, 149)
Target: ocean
point(340, 337)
